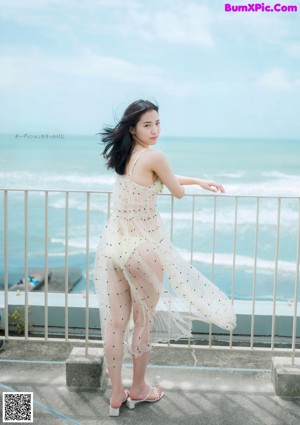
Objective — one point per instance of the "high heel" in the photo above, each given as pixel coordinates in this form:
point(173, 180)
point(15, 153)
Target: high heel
point(131, 403)
point(115, 411)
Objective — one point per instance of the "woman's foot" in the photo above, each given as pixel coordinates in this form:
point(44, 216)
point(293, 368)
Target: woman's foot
point(118, 399)
point(148, 393)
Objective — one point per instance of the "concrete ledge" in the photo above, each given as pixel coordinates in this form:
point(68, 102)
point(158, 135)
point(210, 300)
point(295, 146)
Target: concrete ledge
point(285, 376)
point(86, 372)
point(77, 316)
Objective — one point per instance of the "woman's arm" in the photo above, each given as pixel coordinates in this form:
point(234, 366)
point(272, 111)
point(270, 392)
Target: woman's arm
point(205, 184)
point(160, 166)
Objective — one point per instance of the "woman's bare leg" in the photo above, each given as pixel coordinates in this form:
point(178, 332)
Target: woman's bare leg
point(120, 309)
point(139, 386)
point(145, 299)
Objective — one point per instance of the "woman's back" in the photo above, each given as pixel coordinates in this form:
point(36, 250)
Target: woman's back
point(132, 200)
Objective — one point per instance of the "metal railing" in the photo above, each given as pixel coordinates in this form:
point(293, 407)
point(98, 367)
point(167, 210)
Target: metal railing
point(5, 295)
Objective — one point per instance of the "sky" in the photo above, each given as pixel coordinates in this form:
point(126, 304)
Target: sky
point(71, 67)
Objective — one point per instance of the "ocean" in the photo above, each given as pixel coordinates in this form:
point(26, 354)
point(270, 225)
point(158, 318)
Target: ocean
point(267, 168)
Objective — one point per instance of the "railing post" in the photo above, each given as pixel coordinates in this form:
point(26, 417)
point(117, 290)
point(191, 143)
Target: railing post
point(87, 272)
point(46, 265)
point(5, 249)
point(296, 291)
point(26, 259)
point(66, 315)
point(193, 229)
point(172, 218)
point(234, 256)
point(213, 258)
point(108, 205)
point(275, 273)
point(254, 273)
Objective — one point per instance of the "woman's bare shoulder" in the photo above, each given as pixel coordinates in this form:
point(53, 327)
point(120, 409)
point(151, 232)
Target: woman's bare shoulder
point(155, 160)
point(155, 155)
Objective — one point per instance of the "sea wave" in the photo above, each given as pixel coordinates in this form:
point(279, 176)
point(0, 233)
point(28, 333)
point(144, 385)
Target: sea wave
point(77, 242)
point(280, 175)
point(285, 187)
point(244, 262)
point(245, 215)
point(231, 175)
point(241, 261)
point(77, 203)
point(46, 181)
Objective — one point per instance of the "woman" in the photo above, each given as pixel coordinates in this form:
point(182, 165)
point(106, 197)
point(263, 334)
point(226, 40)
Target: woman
point(134, 256)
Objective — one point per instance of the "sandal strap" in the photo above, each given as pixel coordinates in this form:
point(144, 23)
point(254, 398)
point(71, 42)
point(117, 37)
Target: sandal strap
point(148, 394)
point(155, 391)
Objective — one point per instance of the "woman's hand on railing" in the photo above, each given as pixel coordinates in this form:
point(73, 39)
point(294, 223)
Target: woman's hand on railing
point(211, 185)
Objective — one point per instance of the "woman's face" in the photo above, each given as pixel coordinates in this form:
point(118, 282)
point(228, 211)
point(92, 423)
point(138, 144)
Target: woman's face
point(147, 130)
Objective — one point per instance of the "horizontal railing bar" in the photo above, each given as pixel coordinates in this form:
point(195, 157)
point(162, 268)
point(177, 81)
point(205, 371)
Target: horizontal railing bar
point(160, 194)
point(192, 346)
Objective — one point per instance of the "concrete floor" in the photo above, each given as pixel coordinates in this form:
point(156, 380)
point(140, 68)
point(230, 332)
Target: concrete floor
point(204, 386)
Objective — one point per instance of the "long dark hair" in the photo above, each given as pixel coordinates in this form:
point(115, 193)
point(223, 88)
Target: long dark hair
point(118, 141)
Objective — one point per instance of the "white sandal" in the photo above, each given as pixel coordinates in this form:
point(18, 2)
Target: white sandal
point(130, 403)
point(115, 411)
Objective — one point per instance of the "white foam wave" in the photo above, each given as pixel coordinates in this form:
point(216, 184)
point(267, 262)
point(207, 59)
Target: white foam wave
point(272, 188)
point(232, 175)
point(77, 242)
point(279, 174)
point(241, 261)
point(245, 216)
point(79, 204)
point(287, 186)
point(62, 254)
point(31, 180)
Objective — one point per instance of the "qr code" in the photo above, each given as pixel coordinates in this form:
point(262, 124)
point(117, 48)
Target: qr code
point(17, 407)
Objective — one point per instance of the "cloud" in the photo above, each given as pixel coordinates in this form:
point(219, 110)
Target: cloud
point(91, 64)
point(265, 30)
point(182, 89)
point(35, 68)
point(173, 22)
point(188, 24)
point(16, 5)
point(293, 50)
point(276, 80)
point(9, 5)
point(57, 13)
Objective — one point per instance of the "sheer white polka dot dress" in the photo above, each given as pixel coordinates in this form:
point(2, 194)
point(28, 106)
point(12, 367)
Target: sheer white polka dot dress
point(133, 258)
